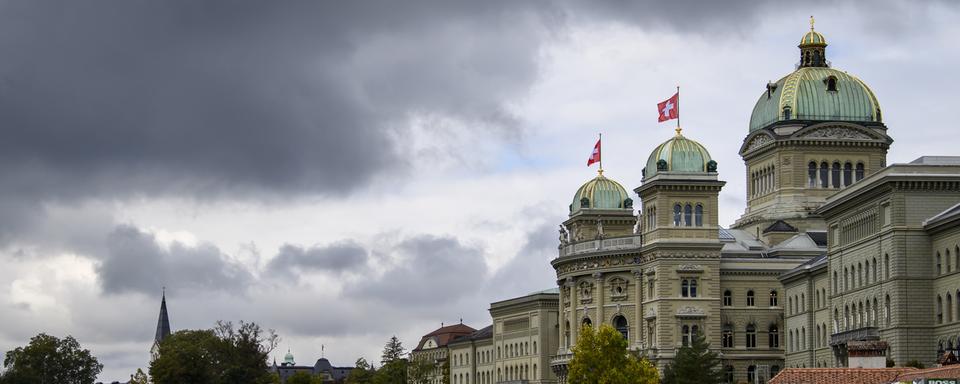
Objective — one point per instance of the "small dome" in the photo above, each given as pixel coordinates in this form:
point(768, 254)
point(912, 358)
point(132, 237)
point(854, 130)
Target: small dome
point(679, 154)
point(601, 193)
point(813, 38)
point(288, 358)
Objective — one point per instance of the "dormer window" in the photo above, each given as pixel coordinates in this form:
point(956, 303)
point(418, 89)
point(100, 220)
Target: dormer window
point(786, 113)
point(831, 84)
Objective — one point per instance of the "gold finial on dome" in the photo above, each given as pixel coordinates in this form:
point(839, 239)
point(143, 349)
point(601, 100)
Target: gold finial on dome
point(811, 22)
point(678, 129)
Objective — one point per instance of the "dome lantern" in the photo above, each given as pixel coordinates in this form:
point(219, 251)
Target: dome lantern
point(813, 49)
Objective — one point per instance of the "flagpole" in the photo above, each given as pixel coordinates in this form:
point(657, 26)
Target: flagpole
point(678, 109)
point(600, 140)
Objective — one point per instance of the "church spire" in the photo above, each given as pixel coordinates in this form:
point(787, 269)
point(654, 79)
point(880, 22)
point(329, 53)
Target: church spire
point(163, 323)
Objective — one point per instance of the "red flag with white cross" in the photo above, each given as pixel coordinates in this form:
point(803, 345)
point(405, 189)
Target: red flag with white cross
point(670, 108)
point(595, 156)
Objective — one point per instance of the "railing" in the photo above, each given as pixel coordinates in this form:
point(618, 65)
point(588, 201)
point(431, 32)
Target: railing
point(865, 333)
point(561, 359)
point(613, 243)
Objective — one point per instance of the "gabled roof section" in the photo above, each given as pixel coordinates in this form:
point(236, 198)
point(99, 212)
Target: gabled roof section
point(819, 237)
point(481, 334)
point(163, 323)
point(799, 242)
point(444, 335)
point(780, 226)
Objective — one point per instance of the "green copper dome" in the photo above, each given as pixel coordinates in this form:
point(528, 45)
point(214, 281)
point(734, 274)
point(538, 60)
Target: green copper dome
point(601, 193)
point(679, 154)
point(815, 92)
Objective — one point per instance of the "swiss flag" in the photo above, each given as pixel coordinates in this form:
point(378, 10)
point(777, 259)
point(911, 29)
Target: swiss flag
point(669, 109)
point(595, 156)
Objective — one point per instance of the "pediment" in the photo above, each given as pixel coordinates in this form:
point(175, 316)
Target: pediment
point(836, 133)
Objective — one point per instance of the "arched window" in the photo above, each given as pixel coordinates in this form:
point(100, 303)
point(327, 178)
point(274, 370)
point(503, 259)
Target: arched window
point(774, 370)
point(946, 260)
point(803, 302)
point(728, 374)
point(698, 215)
point(676, 215)
point(803, 338)
point(619, 322)
point(874, 269)
point(693, 288)
point(751, 336)
point(812, 174)
point(750, 301)
point(535, 345)
point(949, 308)
point(836, 285)
point(886, 266)
point(824, 175)
point(566, 335)
point(686, 335)
point(939, 270)
point(886, 310)
point(773, 336)
point(727, 298)
point(587, 322)
point(726, 337)
point(687, 215)
point(860, 171)
point(752, 374)
point(773, 298)
point(685, 288)
point(939, 309)
point(831, 84)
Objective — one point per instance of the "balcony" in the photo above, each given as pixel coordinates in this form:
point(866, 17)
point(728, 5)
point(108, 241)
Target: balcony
point(607, 244)
point(861, 334)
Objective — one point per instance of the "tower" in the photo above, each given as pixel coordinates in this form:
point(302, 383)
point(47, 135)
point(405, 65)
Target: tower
point(163, 327)
point(813, 132)
point(600, 208)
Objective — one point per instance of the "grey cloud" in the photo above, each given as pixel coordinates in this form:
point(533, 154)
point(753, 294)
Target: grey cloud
point(135, 262)
point(427, 271)
point(530, 269)
point(292, 260)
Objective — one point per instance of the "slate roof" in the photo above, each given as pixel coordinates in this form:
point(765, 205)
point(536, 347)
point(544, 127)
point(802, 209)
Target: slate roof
point(445, 335)
point(946, 215)
point(838, 375)
point(780, 226)
point(819, 237)
point(163, 323)
point(481, 334)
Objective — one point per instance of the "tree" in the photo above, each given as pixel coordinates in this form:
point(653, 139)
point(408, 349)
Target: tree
point(139, 378)
point(420, 371)
point(48, 359)
point(694, 364)
point(393, 350)
point(601, 356)
point(223, 355)
point(362, 373)
point(300, 378)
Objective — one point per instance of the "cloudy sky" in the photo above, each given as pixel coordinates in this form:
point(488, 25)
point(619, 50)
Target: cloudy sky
point(346, 171)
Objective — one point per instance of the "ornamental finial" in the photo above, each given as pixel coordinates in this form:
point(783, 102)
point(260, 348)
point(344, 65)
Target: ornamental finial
point(678, 129)
point(811, 22)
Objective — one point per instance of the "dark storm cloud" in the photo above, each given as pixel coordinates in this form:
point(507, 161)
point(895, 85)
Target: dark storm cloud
point(136, 262)
point(426, 271)
point(292, 260)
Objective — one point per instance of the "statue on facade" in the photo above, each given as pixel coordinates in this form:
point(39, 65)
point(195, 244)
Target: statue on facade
point(599, 229)
point(564, 236)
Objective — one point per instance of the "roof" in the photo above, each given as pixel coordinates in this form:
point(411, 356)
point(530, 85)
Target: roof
point(601, 193)
point(163, 323)
point(946, 215)
point(444, 335)
point(838, 375)
point(680, 154)
point(937, 160)
point(780, 226)
point(946, 372)
point(481, 334)
point(819, 237)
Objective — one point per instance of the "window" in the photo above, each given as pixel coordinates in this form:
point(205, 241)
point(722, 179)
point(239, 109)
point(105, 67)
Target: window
point(886, 266)
point(939, 271)
point(687, 215)
point(727, 298)
point(751, 336)
point(836, 285)
point(774, 370)
point(728, 374)
point(587, 322)
point(949, 308)
point(693, 288)
point(619, 322)
point(859, 171)
point(698, 215)
point(684, 288)
point(676, 215)
point(752, 374)
point(812, 174)
point(773, 337)
point(874, 269)
point(750, 298)
point(939, 310)
point(886, 310)
point(726, 337)
point(773, 298)
point(686, 335)
point(835, 175)
point(803, 302)
point(946, 260)
point(831, 84)
point(650, 289)
point(824, 175)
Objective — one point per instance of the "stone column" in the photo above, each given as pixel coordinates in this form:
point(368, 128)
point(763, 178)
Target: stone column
point(638, 308)
point(598, 294)
point(562, 315)
point(574, 324)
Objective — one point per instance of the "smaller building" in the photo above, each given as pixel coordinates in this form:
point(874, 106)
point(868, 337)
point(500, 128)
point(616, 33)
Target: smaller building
point(433, 348)
point(322, 368)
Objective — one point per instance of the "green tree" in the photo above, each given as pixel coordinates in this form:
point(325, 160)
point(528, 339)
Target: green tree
point(601, 356)
point(420, 371)
point(694, 364)
point(48, 359)
point(223, 355)
point(393, 350)
point(362, 373)
point(139, 378)
point(393, 372)
point(300, 378)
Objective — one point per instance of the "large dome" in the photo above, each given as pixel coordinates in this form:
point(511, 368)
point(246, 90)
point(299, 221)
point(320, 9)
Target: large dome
point(680, 155)
point(815, 92)
point(601, 193)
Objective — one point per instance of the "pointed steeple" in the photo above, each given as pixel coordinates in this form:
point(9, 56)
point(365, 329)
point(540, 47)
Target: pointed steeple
point(163, 324)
